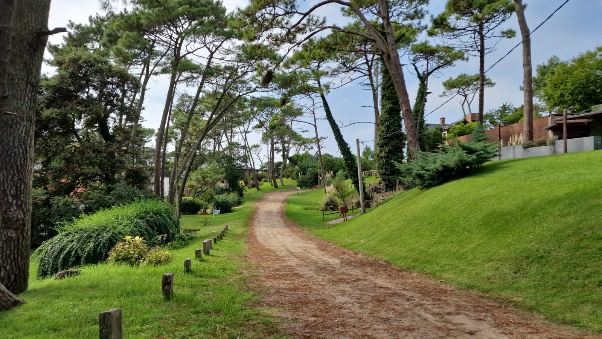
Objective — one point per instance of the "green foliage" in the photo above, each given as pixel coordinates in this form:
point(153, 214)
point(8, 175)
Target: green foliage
point(97, 197)
point(574, 85)
point(180, 241)
point(478, 133)
point(158, 256)
point(131, 251)
point(391, 139)
point(461, 128)
point(449, 163)
point(89, 239)
point(329, 203)
point(190, 206)
point(341, 191)
point(309, 178)
point(226, 202)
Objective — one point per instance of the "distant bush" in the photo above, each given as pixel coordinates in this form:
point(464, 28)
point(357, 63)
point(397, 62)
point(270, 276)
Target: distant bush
point(451, 162)
point(308, 179)
point(190, 206)
point(225, 202)
point(107, 196)
point(88, 240)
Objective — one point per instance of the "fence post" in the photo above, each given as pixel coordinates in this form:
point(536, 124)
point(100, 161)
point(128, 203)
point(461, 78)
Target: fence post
point(110, 324)
point(187, 265)
point(167, 283)
point(206, 246)
point(198, 253)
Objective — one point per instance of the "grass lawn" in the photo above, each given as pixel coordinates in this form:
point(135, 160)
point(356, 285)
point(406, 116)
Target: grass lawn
point(526, 231)
point(212, 301)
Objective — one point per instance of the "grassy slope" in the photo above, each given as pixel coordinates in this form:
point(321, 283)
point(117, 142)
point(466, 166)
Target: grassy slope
point(528, 231)
point(212, 301)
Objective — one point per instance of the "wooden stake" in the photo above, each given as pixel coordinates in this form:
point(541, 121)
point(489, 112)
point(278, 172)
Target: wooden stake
point(198, 253)
point(167, 286)
point(110, 325)
point(187, 265)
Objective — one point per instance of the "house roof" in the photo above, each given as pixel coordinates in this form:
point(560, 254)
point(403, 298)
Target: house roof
point(575, 118)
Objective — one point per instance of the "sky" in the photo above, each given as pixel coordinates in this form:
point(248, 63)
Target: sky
point(573, 30)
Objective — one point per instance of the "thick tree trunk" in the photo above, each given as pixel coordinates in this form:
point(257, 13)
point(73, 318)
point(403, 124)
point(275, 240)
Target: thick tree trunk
point(527, 71)
point(22, 42)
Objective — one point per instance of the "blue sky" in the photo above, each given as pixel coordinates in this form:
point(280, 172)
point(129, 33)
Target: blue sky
point(574, 29)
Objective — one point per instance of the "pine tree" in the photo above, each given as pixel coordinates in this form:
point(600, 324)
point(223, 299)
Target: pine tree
point(391, 139)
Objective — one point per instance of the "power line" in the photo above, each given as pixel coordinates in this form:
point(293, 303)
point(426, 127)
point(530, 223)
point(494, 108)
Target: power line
point(508, 53)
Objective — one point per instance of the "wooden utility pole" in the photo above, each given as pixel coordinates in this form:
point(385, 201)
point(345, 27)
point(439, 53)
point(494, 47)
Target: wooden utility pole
point(564, 130)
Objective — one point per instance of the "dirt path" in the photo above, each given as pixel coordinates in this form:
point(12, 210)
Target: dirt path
point(324, 291)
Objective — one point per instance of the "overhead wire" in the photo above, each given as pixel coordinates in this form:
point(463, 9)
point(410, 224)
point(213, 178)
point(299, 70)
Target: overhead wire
point(508, 53)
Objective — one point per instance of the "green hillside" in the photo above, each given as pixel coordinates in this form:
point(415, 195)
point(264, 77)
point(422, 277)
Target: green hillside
point(528, 231)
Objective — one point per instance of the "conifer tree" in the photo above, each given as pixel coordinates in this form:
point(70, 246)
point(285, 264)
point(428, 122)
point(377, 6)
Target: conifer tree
point(391, 139)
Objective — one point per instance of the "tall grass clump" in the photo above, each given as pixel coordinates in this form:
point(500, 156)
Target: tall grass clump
point(89, 239)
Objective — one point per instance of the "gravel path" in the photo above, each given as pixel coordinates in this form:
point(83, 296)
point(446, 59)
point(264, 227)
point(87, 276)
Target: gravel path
point(324, 291)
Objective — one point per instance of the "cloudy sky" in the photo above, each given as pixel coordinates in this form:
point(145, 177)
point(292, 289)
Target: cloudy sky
point(574, 29)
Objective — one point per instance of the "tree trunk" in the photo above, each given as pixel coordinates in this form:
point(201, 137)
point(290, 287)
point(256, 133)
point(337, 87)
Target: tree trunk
point(393, 63)
point(481, 74)
point(527, 71)
point(8, 301)
point(23, 38)
point(322, 173)
point(161, 132)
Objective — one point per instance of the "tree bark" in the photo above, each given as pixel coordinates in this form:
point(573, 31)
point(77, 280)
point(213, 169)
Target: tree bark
point(481, 74)
point(393, 63)
point(21, 57)
point(527, 71)
point(8, 301)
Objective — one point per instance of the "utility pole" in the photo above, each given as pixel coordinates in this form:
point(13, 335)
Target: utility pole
point(565, 130)
point(359, 175)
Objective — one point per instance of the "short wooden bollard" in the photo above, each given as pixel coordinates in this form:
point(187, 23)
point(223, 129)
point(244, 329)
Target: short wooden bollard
point(198, 253)
point(110, 324)
point(226, 228)
point(167, 286)
point(215, 239)
point(206, 246)
point(187, 265)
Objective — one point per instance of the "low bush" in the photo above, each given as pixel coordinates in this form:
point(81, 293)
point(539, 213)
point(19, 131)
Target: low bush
point(451, 162)
point(190, 206)
point(158, 256)
point(131, 251)
point(225, 202)
point(88, 240)
point(330, 203)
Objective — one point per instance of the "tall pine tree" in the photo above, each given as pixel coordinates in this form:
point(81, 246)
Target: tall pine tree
point(391, 139)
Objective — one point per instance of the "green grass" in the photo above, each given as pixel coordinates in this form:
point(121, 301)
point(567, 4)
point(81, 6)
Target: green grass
point(526, 231)
point(212, 301)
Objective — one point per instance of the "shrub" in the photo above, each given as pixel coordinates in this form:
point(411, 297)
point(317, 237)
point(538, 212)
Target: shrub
point(131, 251)
point(180, 241)
point(308, 179)
point(158, 256)
point(88, 240)
point(330, 203)
point(225, 202)
point(451, 162)
point(190, 206)
point(107, 196)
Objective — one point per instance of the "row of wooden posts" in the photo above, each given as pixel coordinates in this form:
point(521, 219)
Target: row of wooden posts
point(110, 322)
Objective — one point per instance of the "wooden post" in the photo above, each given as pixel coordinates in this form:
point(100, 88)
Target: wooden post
point(206, 246)
point(564, 130)
point(187, 265)
point(110, 324)
point(215, 240)
point(167, 286)
point(226, 227)
point(198, 253)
